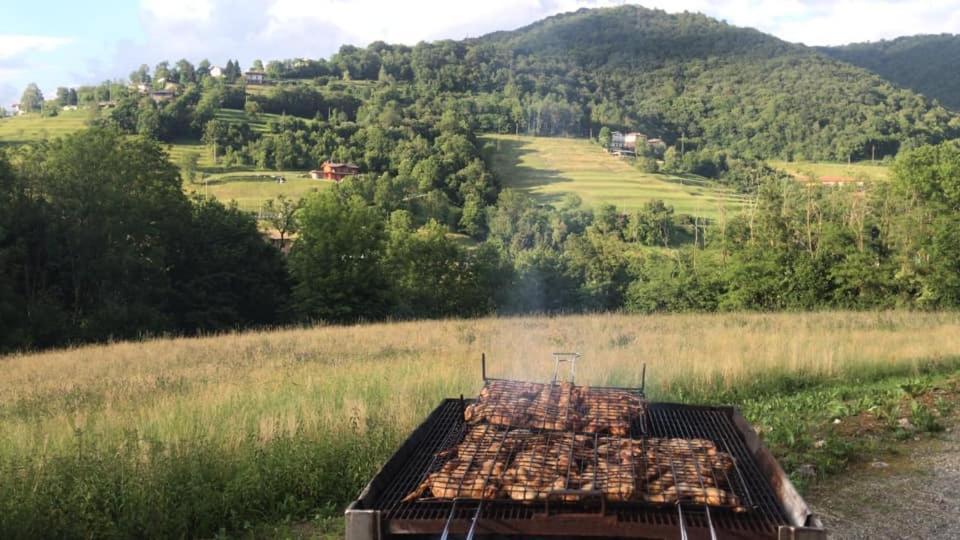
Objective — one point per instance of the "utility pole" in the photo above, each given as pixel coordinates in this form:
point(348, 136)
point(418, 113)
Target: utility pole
point(873, 152)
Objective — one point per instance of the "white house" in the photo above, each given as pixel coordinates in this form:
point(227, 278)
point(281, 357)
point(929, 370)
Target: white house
point(616, 140)
point(216, 71)
point(255, 77)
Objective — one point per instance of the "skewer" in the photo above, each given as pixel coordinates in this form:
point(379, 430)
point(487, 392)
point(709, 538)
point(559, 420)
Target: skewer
point(683, 526)
point(473, 524)
point(446, 527)
point(706, 506)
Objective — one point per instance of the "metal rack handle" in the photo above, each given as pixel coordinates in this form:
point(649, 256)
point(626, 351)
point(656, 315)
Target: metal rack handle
point(569, 358)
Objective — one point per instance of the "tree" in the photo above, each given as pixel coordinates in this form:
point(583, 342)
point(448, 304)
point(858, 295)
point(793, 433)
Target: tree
point(32, 98)
point(186, 71)
point(63, 96)
point(604, 137)
point(203, 69)
point(225, 275)
point(148, 120)
point(252, 108)
point(257, 65)
point(336, 262)
point(162, 71)
point(141, 75)
point(188, 165)
point(281, 214)
point(113, 209)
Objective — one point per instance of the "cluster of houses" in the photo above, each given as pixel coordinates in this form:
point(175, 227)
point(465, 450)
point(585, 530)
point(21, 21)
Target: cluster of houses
point(625, 144)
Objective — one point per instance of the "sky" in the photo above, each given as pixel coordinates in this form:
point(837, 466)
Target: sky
point(70, 42)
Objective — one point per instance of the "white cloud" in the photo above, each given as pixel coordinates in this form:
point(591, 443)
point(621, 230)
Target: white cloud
point(13, 46)
point(829, 22)
point(415, 20)
point(178, 11)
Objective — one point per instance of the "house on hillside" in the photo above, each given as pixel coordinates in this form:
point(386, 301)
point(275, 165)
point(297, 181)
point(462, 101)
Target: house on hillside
point(255, 77)
point(162, 96)
point(616, 141)
point(216, 72)
point(334, 171)
point(630, 140)
point(283, 244)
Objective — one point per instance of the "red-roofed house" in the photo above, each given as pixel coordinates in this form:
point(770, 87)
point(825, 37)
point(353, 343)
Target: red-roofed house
point(334, 171)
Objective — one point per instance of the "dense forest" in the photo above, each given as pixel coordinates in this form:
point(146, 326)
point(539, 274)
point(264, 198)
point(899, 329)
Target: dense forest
point(928, 64)
point(98, 240)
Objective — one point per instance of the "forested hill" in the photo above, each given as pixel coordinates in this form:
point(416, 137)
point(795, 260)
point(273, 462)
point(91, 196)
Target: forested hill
point(689, 76)
point(929, 64)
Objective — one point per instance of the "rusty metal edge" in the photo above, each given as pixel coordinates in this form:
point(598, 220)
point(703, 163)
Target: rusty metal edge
point(362, 524)
point(804, 523)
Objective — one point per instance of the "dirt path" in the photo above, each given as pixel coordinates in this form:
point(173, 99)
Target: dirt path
point(916, 495)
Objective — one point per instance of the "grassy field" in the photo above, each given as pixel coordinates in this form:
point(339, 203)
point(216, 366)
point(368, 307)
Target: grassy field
point(549, 167)
point(188, 437)
point(245, 186)
point(33, 127)
point(249, 189)
point(863, 171)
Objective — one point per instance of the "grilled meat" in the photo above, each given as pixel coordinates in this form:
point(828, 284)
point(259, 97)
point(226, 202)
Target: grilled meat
point(522, 465)
point(558, 407)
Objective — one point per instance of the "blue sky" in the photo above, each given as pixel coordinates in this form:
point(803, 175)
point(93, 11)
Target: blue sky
point(70, 42)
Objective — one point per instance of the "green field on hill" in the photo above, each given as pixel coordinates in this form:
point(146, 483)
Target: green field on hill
point(33, 127)
point(862, 171)
point(251, 189)
point(548, 168)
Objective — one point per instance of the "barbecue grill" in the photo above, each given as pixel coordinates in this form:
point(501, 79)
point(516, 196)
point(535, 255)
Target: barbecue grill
point(764, 502)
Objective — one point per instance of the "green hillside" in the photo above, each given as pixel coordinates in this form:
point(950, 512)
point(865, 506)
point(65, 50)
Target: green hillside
point(548, 168)
point(928, 64)
point(33, 127)
point(687, 75)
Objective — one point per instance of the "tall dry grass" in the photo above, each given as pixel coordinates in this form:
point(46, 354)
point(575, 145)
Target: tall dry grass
point(346, 395)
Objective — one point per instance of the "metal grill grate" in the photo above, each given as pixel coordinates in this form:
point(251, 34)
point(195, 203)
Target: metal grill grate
point(446, 427)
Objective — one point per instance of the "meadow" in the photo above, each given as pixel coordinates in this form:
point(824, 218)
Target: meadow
point(241, 185)
point(250, 190)
point(861, 171)
point(33, 127)
point(194, 437)
point(549, 167)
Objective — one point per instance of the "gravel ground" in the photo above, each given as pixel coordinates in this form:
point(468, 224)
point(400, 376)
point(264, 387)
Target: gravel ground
point(914, 495)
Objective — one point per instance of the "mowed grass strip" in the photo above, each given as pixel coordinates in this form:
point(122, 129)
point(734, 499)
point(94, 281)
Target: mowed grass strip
point(863, 171)
point(185, 437)
point(548, 168)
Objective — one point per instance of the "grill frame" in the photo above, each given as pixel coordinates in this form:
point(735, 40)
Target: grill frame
point(780, 513)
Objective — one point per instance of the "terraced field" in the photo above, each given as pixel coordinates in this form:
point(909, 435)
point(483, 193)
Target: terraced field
point(548, 168)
